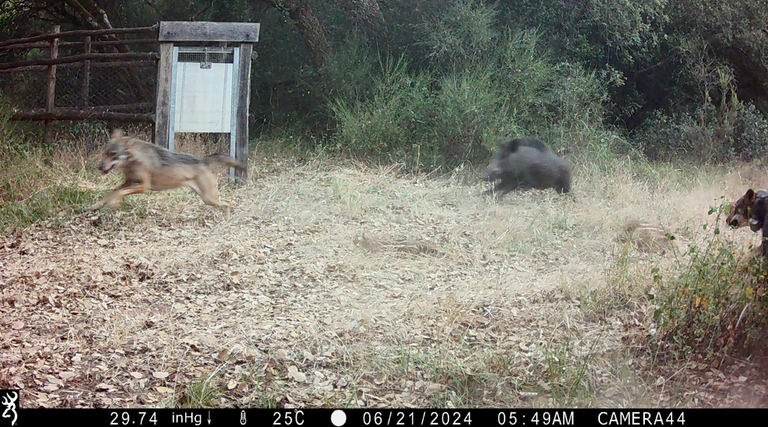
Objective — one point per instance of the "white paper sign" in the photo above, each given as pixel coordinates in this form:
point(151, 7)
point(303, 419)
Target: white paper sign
point(203, 97)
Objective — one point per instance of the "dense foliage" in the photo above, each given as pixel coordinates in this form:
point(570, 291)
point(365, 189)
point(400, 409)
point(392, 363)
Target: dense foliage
point(436, 81)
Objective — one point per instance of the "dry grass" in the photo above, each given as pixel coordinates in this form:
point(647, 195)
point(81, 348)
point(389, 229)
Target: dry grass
point(520, 302)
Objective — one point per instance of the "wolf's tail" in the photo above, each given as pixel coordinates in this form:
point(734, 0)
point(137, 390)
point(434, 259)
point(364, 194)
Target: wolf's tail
point(222, 159)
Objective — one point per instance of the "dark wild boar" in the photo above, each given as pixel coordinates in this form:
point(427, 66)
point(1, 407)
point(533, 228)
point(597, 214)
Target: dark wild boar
point(525, 163)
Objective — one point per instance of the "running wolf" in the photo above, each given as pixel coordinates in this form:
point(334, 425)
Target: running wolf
point(151, 167)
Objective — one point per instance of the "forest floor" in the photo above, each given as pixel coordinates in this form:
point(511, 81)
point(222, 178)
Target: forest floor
point(336, 284)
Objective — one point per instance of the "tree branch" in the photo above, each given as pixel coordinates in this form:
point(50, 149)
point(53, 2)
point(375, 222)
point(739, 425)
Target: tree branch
point(159, 13)
point(203, 10)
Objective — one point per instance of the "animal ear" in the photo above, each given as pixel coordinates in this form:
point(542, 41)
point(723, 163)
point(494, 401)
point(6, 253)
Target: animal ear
point(506, 144)
point(117, 133)
point(129, 144)
point(750, 195)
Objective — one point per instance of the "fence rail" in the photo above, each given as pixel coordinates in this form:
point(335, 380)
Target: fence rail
point(79, 33)
point(81, 58)
point(51, 77)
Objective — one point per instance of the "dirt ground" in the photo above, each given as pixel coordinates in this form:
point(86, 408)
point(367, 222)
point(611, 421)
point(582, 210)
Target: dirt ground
point(345, 285)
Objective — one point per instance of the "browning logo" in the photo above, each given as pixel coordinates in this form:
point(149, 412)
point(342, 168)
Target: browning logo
point(9, 399)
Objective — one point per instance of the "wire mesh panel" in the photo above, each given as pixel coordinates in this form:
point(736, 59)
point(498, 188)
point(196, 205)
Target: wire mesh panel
point(25, 90)
point(206, 55)
point(125, 87)
point(93, 83)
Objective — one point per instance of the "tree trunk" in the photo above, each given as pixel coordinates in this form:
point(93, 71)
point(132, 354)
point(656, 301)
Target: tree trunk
point(308, 25)
point(366, 17)
point(97, 18)
point(102, 23)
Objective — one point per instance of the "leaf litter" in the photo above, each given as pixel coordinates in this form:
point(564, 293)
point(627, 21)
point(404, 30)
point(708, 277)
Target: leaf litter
point(328, 286)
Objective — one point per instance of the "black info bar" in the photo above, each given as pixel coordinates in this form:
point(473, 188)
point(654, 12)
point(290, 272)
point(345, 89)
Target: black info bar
point(380, 417)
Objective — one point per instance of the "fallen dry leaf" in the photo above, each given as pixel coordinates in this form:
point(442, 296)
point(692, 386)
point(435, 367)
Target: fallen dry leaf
point(66, 375)
point(293, 371)
point(162, 284)
point(222, 355)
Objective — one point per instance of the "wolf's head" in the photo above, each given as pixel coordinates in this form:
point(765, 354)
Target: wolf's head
point(116, 153)
point(741, 210)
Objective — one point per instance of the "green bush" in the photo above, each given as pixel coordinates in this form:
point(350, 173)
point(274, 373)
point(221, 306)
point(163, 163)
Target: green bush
point(717, 304)
point(388, 123)
point(750, 134)
point(350, 70)
point(444, 114)
point(738, 131)
point(467, 111)
point(459, 32)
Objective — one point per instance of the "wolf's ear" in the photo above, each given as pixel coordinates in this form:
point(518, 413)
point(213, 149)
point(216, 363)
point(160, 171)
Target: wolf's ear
point(117, 133)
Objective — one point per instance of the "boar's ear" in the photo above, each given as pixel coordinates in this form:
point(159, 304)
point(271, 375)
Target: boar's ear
point(117, 133)
point(509, 145)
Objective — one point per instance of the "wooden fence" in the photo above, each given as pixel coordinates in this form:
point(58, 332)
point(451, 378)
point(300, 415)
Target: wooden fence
point(100, 78)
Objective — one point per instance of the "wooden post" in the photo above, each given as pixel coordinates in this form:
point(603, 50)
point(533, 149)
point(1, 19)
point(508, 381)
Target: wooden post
point(163, 105)
point(51, 90)
point(86, 74)
point(244, 33)
point(243, 101)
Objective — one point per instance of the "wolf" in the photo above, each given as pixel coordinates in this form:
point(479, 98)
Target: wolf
point(524, 163)
point(751, 209)
point(148, 166)
point(741, 210)
point(757, 220)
